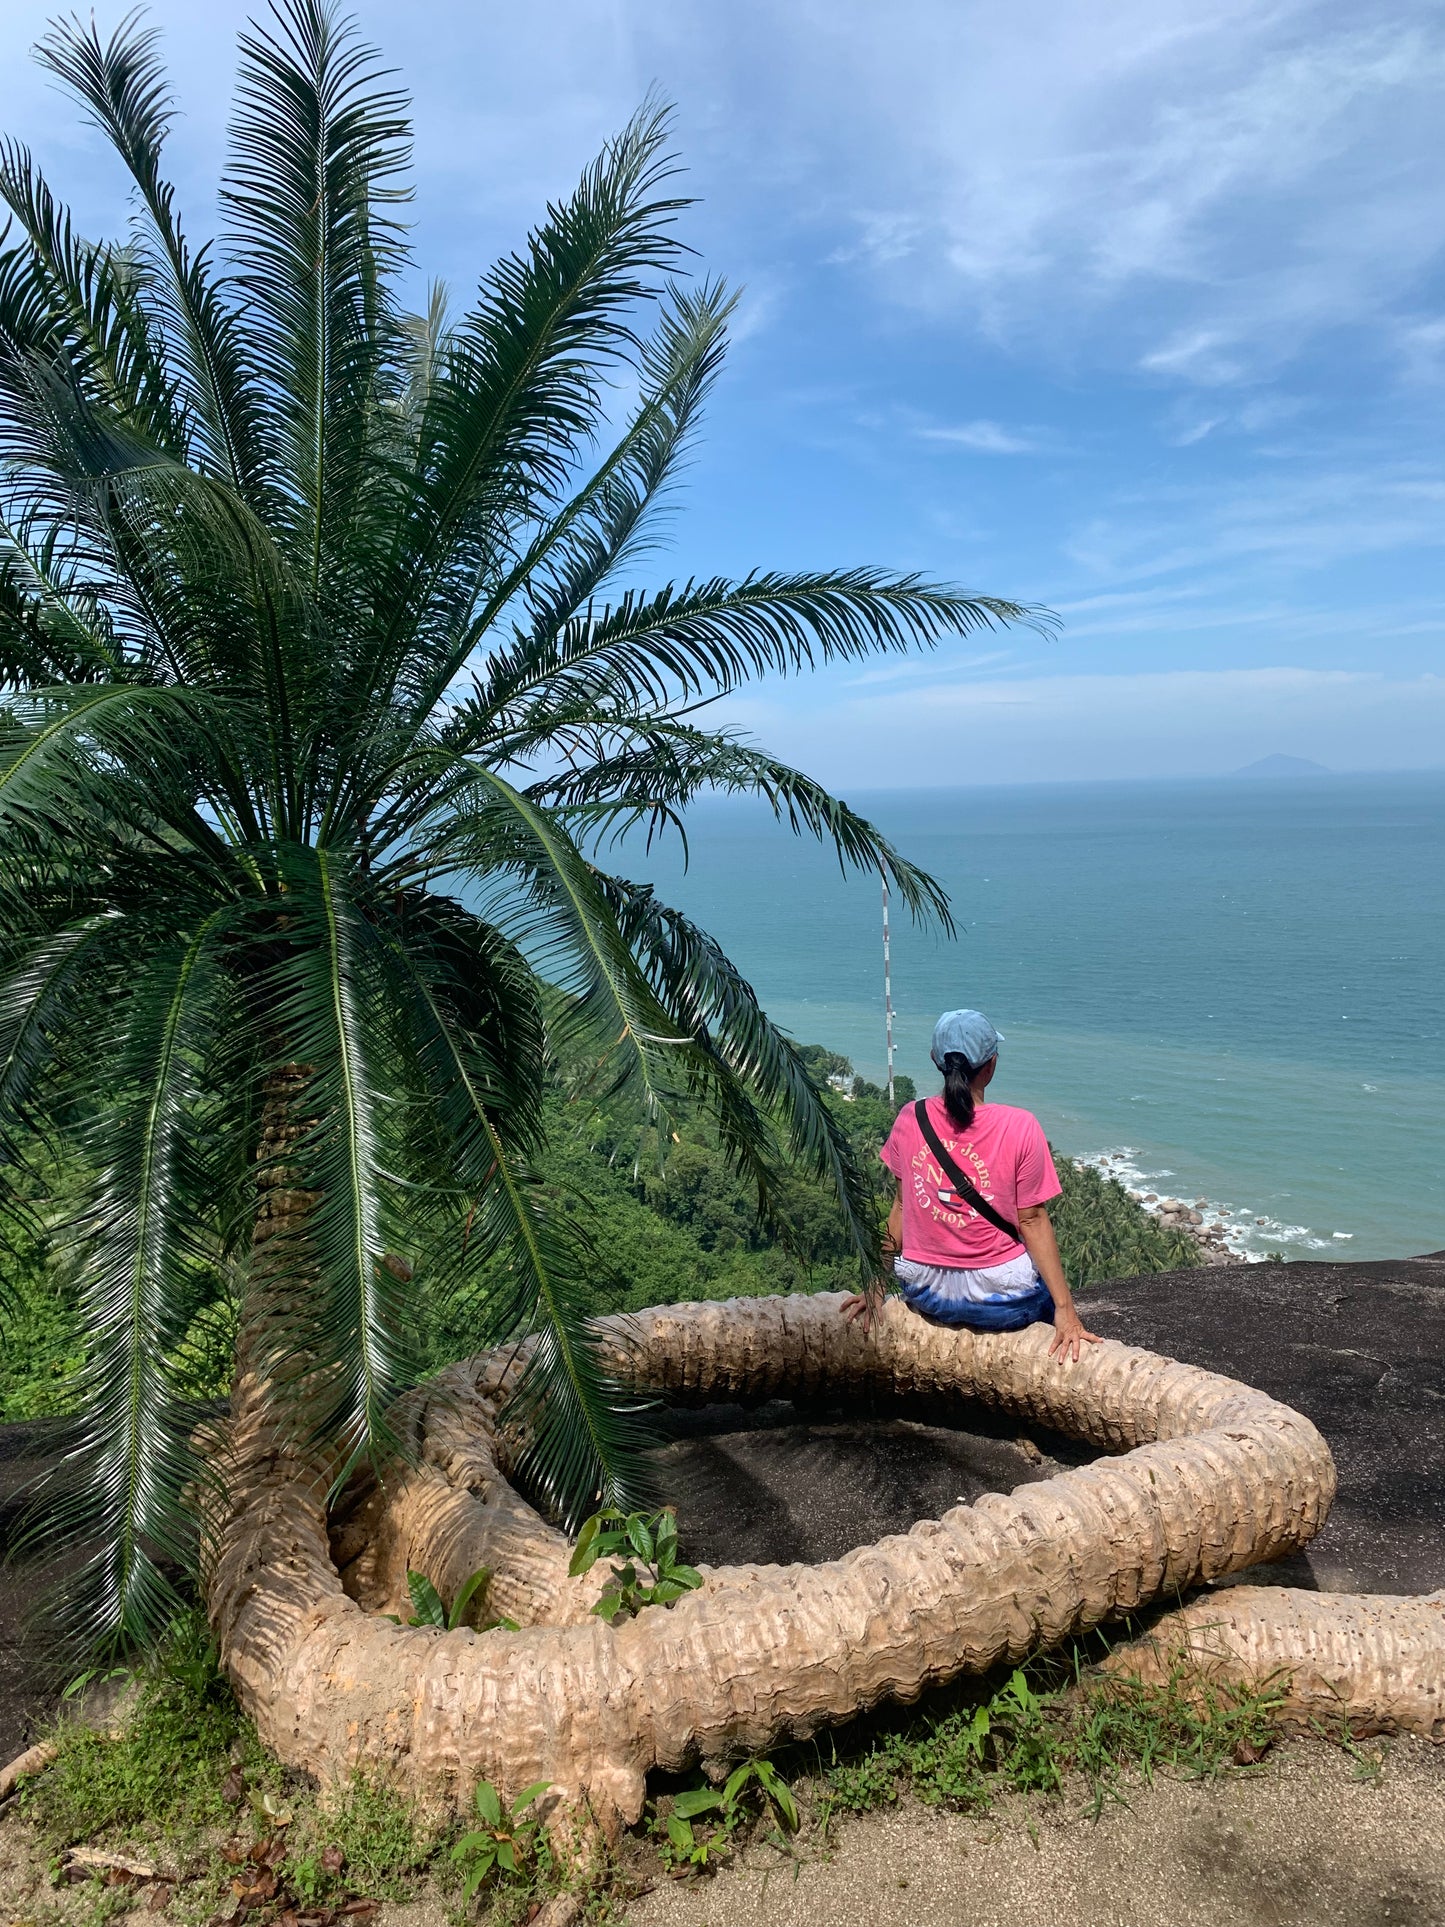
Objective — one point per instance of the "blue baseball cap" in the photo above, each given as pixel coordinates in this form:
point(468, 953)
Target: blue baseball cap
point(966, 1031)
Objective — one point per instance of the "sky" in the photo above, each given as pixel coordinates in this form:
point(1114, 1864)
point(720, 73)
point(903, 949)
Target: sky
point(1130, 308)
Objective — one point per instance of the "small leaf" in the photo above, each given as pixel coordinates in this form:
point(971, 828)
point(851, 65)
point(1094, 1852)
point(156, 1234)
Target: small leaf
point(780, 1793)
point(639, 1538)
point(680, 1833)
point(489, 1804)
point(506, 1856)
point(585, 1552)
point(737, 1780)
point(528, 1794)
point(697, 1800)
point(464, 1598)
point(427, 1606)
point(688, 1577)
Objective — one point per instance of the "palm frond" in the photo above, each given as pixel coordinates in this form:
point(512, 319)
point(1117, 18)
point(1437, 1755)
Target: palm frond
point(123, 88)
point(602, 526)
point(708, 994)
point(34, 998)
point(706, 638)
point(339, 1352)
point(540, 888)
point(145, 1225)
point(54, 625)
point(91, 294)
point(661, 766)
point(509, 1248)
point(319, 148)
point(519, 387)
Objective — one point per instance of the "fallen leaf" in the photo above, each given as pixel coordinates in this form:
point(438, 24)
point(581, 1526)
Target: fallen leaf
point(160, 1897)
point(233, 1787)
point(332, 1860)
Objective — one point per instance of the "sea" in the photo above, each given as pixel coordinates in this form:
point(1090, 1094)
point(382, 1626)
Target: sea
point(1230, 991)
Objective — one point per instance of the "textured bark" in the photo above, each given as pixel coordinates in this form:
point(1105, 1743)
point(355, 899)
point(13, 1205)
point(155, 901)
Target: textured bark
point(33, 1760)
point(1212, 1477)
point(1372, 1664)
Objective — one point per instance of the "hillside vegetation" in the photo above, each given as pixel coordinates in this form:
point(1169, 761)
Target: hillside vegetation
point(663, 1222)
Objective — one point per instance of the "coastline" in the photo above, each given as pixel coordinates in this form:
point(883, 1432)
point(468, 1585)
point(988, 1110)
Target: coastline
point(1223, 1234)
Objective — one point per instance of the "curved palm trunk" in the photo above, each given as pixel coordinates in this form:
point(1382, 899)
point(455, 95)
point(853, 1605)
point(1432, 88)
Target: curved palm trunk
point(1212, 1477)
point(1370, 1663)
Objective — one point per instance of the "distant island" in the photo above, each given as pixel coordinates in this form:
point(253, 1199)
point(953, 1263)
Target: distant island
point(1283, 766)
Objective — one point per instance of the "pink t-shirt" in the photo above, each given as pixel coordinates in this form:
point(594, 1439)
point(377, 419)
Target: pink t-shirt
point(1005, 1154)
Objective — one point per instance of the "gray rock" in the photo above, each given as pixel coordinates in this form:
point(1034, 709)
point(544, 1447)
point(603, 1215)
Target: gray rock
point(1358, 1348)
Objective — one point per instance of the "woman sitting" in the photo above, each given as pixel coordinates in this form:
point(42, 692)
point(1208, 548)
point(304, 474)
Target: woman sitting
point(970, 1227)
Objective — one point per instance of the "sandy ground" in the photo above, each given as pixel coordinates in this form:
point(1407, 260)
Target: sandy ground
point(1303, 1844)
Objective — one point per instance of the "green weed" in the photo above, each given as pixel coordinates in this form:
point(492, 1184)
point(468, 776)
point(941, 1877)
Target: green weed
point(1047, 1723)
point(652, 1573)
point(429, 1609)
point(753, 1785)
point(506, 1844)
point(166, 1771)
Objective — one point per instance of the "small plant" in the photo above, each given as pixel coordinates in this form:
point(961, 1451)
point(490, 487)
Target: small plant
point(1050, 1720)
point(651, 1573)
point(428, 1609)
point(728, 1806)
point(504, 1842)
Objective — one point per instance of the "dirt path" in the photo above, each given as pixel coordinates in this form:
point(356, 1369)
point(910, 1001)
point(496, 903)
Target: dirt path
point(1306, 1843)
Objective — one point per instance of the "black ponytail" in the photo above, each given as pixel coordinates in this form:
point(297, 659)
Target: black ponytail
point(958, 1089)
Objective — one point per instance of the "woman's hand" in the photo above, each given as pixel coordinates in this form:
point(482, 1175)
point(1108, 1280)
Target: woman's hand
point(1069, 1334)
point(862, 1308)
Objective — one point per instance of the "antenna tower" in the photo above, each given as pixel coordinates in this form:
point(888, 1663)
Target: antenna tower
point(887, 987)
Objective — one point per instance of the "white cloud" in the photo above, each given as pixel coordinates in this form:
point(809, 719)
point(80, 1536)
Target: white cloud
point(983, 437)
point(1202, 355)
point(1210, 184)
point(1197, 189)
point(1299, 516)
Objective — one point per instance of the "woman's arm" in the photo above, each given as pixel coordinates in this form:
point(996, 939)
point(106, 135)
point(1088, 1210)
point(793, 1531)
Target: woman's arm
point(1043, 1247)
point(864, 1304)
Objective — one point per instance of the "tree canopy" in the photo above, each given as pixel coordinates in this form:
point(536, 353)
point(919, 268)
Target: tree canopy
point(326, 683)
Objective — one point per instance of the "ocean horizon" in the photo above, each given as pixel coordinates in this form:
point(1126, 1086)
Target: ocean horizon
point(1229, 989)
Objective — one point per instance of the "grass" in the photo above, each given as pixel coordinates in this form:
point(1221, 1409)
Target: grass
point(183, 1776)
point(185, 1780)
point(1050, 1723)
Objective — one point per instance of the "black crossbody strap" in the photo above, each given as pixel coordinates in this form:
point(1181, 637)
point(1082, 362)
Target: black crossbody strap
point(960, 1183)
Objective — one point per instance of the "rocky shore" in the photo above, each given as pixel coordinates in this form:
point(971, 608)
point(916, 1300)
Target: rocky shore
point(1218, 1233)
point(1210, 1234)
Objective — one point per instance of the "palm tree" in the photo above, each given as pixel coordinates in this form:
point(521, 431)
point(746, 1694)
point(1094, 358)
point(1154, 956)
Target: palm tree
point(319, 706)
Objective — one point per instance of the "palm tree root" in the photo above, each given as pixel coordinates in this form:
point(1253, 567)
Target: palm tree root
point(1200, 1477)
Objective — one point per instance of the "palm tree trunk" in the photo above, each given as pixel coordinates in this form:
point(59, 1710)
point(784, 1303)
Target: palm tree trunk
point(1210, 1477)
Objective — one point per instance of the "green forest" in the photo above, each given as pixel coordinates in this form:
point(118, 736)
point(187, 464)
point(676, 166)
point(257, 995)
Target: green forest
point(662, 1222)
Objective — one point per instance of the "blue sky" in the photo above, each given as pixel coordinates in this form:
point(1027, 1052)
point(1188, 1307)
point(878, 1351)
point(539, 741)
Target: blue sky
point(1130, 307)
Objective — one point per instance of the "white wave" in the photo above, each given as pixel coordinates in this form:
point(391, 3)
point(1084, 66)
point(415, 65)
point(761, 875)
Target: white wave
point(1245, 1232)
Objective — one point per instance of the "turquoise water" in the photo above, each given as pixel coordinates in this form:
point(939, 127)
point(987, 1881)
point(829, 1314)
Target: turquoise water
point(1235, 991)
